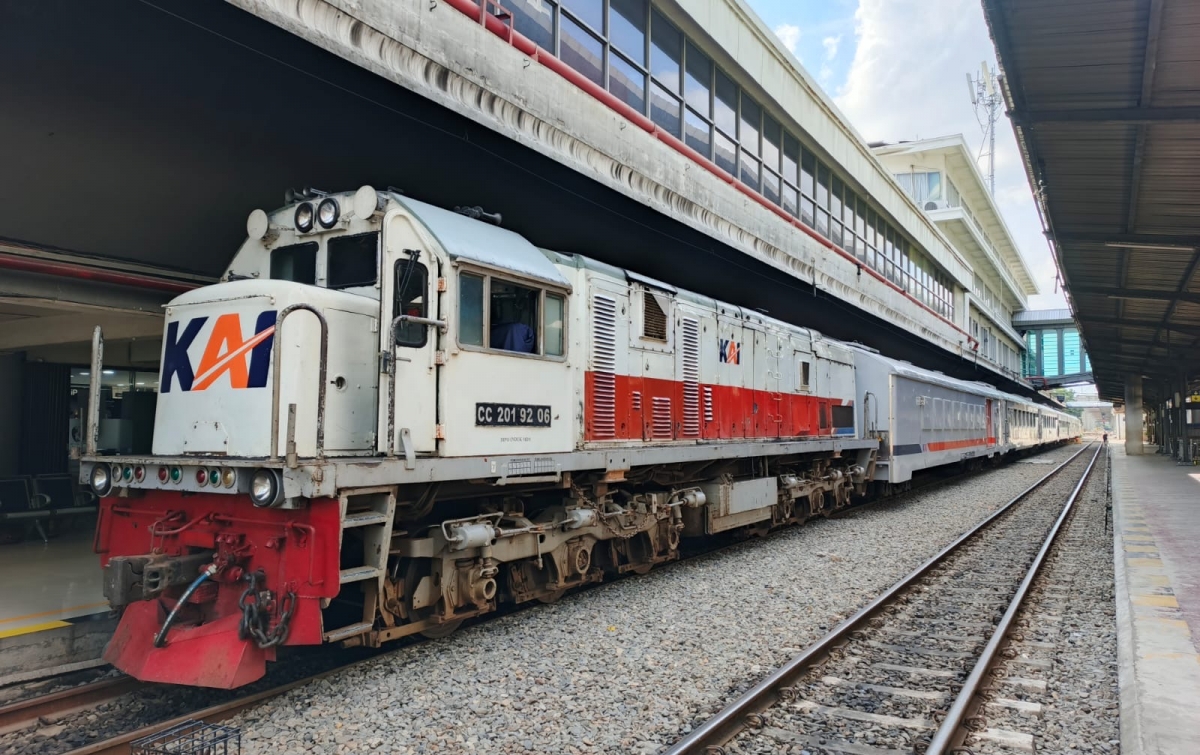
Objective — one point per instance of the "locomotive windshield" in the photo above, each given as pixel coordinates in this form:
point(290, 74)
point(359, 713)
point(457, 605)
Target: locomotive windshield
point(353, 260)
point(296, 263)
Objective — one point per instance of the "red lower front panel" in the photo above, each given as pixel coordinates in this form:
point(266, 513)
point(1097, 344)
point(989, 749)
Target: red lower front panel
point(295, 552)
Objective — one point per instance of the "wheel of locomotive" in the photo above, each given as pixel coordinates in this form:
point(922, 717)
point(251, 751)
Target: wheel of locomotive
point(552, 596)
point(415, 570)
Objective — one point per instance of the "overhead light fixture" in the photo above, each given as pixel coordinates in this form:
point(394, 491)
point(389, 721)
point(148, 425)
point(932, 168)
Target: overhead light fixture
point(1149, 247)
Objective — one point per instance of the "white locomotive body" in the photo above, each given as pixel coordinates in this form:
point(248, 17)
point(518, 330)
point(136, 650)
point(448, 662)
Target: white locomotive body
point(430, 415)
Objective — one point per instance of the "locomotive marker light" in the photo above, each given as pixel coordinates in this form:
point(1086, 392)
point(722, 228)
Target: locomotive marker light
point(176, 475)
point(201, 476)
point(101, 480)
point(265, 488)
point(304, 217)
point(328, 212)
point(228, 477)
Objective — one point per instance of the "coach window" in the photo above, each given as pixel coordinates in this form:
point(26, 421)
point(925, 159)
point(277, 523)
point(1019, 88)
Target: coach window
point(352, 261)
point(411, 287)
point(296, 263)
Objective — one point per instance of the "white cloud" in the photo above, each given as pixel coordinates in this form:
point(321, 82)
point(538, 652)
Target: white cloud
point(907, 81)
point(831, 46)
point(789, 35)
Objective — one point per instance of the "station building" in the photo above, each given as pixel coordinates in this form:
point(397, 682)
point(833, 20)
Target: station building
point(940, 175)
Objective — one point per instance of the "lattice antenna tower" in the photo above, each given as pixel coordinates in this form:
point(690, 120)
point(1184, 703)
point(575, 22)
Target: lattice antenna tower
point(985, 96)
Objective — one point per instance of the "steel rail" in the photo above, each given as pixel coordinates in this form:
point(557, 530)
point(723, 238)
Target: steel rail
point(732, 719)
point(951, 728)
point(119, 745)
point(21, 713)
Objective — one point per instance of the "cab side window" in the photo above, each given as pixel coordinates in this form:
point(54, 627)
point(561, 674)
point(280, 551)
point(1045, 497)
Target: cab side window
point(502, 315)
point(411, 298)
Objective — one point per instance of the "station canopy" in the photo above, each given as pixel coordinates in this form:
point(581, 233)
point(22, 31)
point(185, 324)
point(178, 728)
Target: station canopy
point(1104, 98)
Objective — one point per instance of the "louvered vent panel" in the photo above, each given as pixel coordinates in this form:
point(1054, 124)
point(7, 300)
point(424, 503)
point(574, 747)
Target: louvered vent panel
point(654, 319)
point(637, 401)
point(708, 404)
point(690, 331)
point(660, 407)
point(604, 366)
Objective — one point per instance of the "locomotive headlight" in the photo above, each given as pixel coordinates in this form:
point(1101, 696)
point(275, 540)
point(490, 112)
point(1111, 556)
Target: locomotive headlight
point(327, 212)
point(304, 217)
point(265, 488)
point(101, 480)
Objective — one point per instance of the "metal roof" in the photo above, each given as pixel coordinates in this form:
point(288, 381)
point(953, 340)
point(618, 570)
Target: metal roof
point(1104, 98)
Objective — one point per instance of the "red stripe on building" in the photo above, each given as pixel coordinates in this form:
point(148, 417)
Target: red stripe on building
point(649, 409)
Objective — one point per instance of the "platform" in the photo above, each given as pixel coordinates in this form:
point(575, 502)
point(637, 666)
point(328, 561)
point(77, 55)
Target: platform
point(46, 586)
point(1156, 523)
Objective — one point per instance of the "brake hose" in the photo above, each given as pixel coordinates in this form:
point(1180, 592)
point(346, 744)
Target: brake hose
point(160, 639)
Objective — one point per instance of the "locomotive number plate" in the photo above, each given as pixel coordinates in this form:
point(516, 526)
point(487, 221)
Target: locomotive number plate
point(512, 415)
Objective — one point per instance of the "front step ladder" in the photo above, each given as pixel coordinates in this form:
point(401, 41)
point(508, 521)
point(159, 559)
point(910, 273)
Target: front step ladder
point(369, 514)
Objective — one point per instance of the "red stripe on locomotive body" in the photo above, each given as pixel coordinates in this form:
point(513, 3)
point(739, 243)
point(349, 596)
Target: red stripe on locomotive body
point(737, 413)
point(950, 445)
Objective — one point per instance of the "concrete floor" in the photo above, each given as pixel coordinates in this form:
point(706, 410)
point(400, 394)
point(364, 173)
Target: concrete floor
point(43, 585)
point(1156, 522)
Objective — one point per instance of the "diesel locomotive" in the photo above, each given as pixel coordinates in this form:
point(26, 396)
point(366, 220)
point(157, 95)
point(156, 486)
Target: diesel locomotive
point(388, 417)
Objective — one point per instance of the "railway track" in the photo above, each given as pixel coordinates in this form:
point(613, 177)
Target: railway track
point(22, 713)
point(25, 713)
point(903, 674)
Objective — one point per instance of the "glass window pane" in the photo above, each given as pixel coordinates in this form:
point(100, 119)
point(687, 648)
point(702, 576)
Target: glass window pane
point(582, 51)
point(772, 134)
point(553, 326)
point(726, 104)
point(627, 28)
point(470, 310)
point(591, 12)
point(750, 168)
point(626, 82)
point(791, 200)
point(771, 186)
point(353, 261)
point(535, 20)
point(699, 134)
point(666, 52)
point(513, 317)
point(698, 83)
point(807, 208)
point(822, 186)
point(296, 263)
point(835, 199)
point(726, 154)
point(808, 169)
point(835, 232)
point(860, 219)
point(664, 109)
point(411, 287)
point(823, 223)
point(751, 124)
point(791, 159)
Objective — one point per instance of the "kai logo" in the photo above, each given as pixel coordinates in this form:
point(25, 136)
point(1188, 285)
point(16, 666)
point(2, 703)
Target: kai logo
point(228, 352)
point(731, 351)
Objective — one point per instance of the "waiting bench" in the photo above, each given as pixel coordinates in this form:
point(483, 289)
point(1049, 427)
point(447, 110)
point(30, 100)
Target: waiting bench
point(43, 499)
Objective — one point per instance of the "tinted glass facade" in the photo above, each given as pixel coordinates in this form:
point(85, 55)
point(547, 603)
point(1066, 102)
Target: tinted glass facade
point(1052, 352)
point(636, 53)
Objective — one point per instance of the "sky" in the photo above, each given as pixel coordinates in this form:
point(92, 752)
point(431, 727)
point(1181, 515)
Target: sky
point(897, 70)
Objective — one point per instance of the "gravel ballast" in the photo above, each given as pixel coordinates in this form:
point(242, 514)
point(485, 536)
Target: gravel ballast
point(630, 666)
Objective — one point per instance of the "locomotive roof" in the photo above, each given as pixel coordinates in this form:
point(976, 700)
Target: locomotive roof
point(484, 244)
